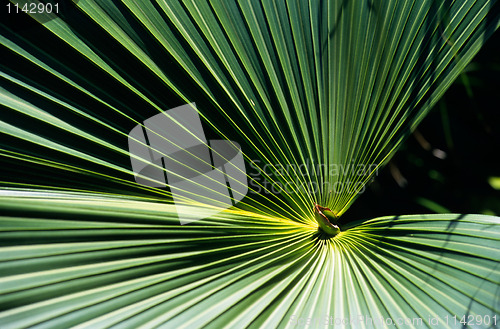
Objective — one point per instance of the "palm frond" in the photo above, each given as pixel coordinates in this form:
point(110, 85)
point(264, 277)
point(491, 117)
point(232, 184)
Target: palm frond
point(327, 90)
point(90, 261)
point(322, 83)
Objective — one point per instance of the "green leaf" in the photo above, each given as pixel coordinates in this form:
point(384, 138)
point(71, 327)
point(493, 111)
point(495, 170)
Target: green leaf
point(78, 259)
point(318, 93)
point(332, 86)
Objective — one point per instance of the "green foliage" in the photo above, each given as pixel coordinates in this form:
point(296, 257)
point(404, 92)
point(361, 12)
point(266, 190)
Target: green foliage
point(328, 83)
point(100, 260)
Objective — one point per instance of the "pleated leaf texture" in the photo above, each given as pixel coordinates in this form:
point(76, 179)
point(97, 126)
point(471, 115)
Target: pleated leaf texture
point(306, 85)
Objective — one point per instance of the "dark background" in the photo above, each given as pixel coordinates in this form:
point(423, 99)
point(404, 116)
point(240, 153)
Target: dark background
point(447, 164)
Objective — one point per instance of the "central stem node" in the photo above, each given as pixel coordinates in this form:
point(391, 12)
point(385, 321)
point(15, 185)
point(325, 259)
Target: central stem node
point(326, 219)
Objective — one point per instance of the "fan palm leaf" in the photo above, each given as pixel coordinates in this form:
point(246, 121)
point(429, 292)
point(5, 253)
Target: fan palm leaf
point(319, 94)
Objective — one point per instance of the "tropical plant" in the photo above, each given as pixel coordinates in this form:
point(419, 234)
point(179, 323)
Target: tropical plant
point(306, 85)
